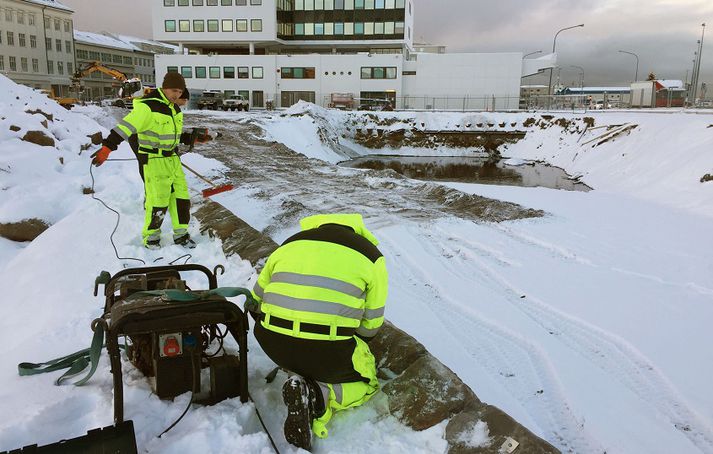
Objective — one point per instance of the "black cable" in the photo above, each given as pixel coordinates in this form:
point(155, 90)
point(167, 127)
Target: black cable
point(188, 257)
point(118, 219)
point(257, 412)
point(193, 393)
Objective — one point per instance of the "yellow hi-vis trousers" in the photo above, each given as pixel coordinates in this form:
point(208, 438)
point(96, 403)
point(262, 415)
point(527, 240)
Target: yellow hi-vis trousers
point(166, 190)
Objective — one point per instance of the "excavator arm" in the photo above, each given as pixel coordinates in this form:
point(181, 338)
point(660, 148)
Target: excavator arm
point(96, 66)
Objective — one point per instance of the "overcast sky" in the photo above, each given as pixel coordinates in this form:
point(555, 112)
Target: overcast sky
point(664, 33)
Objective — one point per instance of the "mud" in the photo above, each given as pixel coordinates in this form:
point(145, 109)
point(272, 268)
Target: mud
point(488, 141)
point(299, 186)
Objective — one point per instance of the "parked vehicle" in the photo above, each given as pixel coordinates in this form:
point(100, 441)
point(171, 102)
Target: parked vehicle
point(375, 104)
point(211, 99)
point(342, 101)
point(236, 102)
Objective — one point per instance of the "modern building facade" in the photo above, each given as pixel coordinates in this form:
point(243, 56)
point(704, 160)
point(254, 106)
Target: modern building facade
point(36, 44)
point(287, 50)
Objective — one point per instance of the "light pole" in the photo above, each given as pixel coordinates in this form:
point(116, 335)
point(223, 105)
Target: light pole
point(531, 53)
point(554, 46)
point(636, 76)
point(698, 65)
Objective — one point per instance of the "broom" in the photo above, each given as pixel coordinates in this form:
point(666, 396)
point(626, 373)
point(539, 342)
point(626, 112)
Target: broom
point(214, 189)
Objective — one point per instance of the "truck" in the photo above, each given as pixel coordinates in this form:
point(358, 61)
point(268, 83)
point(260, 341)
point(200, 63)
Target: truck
point(236, 102)
point(211, 99)
point(341, 101)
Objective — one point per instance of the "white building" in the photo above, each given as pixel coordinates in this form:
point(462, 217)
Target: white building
point(36, 43)
point(289, 50)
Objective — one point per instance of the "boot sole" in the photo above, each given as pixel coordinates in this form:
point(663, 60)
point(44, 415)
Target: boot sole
point(298, 430)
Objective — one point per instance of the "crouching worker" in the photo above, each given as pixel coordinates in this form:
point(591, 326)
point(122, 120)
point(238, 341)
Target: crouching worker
point(320, 301)
point(157, 122)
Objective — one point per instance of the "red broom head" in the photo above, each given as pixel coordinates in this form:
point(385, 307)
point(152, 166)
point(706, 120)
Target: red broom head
point(217, 190)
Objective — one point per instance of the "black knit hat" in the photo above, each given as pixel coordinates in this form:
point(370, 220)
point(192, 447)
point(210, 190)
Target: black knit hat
point(185, 95)
point(174, 80)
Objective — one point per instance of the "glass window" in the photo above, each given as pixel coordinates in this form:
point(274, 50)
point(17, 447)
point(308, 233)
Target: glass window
point(359, 28)
point(169, 2)
point(182, 2)
point(58, 45)
point(212, 25)
point(309, 29)
point(378, 73)
point(391, 72)
point(47, 19)
point(227, 25)
point(198, 25)
point(172, 69)
point(299, 29)
point(319, 5)
point(197, 2)
point(50, 65)
point(309, 5)
point(319, 29)
point(369, 28)
point(379, 28)
point(400, 3)
point(390, 4)
point(116, 58)
point(200, 72)
point(31, 20)
point(241, 2)
point(33, 41)
point(348, 28)
point(329, 28)
point(241, 25)
point(256, 25)
point(243, 72)
point(169, 25)
point(11, 40)
point(257, 72)
point(245, 94)
point(338, 28)
point(348, 4)
point(286, 73)
point(388, 28)
point(60, 67)
point(69, 68)
point(23, 65)
point(35, 65)
point(226, 3)
point(211, 2)
point(127, 60)
point(187, 72)
point(365, 73)
point(369, 4)
point(214, 72)
point(67, 26)
point(299, 5)
point(399, 28)
point(359, 4)
point(184, 25)
point(56, 24)
point(228, 72)
point(21, 39)
point(256, 2)
point(13, 65)
point(21, 20)
point(48, 43)
point(329, 5)
point(68, 47)
point(338, 4)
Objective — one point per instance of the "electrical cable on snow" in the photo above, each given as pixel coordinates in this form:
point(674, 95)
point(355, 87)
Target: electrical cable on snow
point(257, 412)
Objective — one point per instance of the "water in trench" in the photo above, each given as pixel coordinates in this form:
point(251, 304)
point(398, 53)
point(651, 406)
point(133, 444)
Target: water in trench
point(470, 169)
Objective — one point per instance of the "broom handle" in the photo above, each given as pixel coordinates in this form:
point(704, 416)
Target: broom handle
point(199, 175)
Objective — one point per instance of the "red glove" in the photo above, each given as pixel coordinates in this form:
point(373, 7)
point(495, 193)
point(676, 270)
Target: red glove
point(202, 135)
point(100, 156)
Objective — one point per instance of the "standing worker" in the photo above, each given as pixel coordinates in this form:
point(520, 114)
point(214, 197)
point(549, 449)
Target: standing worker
point(158, 123)
point(320, 299)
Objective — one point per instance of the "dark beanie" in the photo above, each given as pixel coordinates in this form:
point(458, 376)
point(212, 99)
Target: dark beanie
point(174, 80)
point(185, 95)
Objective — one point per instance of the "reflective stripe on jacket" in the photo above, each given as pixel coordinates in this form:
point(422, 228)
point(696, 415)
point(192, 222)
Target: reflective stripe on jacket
point(327, 275)
point(157, 122)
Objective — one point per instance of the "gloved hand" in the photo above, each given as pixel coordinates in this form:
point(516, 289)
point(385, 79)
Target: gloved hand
point(202, 135)
point(100, 156)
point(251, 305)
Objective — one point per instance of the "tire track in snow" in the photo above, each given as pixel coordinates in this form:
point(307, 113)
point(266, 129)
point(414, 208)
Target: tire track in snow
point(517, 364)
point(611, 354)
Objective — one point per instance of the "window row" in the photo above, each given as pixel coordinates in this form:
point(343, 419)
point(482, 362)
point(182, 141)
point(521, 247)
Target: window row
point(212, 2)
point(20, 16)
point(341, 28)
point(297, 73)
point(57, 24)
point(226, 25)
point(60, 67)
point(25, 62)
point(331, 5)
point(378, 72)
point(214, 72)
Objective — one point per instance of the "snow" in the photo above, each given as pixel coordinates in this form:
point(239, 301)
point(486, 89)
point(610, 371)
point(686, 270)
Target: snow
point(102, 40)
point(589, 326)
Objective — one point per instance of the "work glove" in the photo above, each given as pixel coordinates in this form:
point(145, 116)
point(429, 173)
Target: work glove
point(202, 135)
point(100, 156)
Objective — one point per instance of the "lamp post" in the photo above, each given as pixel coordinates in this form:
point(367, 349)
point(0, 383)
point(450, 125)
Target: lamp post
point(554, 46)
point(698, 65)
point(636, 76)
point(531, 53)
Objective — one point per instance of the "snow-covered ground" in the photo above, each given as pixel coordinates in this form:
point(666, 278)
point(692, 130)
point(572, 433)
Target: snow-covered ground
point(589, 325)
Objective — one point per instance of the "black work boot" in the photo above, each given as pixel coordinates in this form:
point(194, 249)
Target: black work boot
point(153, 244)
point(298, 424)
point(185, 241)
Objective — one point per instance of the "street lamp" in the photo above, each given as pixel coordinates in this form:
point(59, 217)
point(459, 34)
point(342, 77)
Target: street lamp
point(554, 46)
point(531, 53)
point(636, 77)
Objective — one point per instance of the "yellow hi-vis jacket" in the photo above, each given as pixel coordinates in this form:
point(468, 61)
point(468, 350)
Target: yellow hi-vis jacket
point(156, 121)
point(327, 282)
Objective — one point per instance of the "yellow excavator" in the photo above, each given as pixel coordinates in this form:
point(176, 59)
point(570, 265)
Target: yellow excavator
point(130, 88)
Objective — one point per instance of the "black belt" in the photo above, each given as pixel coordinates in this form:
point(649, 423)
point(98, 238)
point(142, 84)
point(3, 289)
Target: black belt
point(164, 153)
point(310, 327)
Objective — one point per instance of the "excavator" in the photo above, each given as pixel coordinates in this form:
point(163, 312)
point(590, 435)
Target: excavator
point(130, 88)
